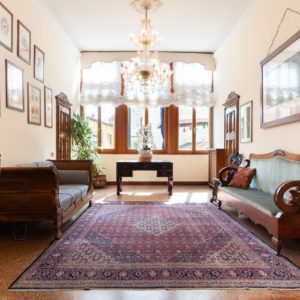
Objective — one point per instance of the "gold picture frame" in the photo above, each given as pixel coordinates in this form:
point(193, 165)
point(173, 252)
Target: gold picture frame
point(34, 102)
point(48, 107)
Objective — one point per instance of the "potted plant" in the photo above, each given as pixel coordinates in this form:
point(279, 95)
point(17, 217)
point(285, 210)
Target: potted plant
point(99, 178)
point(145, 143)
point(84, 149)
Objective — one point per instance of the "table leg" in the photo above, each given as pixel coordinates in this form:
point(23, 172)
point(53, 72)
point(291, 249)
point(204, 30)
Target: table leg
point(170, 185)
point(119, 182)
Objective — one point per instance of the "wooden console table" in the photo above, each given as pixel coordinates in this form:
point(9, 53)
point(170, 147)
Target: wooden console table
point(125, 168)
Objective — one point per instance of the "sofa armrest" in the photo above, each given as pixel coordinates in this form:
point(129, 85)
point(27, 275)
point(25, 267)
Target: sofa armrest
point(76, 165)
point(28, 189)
point(292, 204)
point(226, 175)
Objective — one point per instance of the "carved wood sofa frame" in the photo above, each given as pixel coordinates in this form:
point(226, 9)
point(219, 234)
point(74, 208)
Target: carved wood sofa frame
point(285, 225)
point(30, 194)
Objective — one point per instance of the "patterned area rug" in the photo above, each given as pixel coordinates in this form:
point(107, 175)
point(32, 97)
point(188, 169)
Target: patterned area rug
point(158, 246)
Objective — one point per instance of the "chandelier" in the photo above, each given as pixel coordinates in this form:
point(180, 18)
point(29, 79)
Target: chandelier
point(145, 76)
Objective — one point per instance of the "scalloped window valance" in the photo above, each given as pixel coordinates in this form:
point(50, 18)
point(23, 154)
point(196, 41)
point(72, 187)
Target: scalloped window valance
point(190, 85)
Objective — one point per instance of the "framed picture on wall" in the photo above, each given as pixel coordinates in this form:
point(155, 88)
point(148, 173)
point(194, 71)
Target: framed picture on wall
point(246, 123)
point(39, 64)
point(48, 107)
point(6, 28)
point(14, 87)
point(280, 93)
point(24, 43)
point(34, 104)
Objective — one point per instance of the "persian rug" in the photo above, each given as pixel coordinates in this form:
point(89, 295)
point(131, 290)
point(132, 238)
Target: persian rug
point(158, 246)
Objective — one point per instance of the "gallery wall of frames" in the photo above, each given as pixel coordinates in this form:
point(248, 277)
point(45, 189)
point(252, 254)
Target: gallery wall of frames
point(21, 96)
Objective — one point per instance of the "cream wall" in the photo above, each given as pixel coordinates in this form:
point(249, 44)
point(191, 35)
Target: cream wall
point(186, 167)
point(238, 69)
point(20, 141)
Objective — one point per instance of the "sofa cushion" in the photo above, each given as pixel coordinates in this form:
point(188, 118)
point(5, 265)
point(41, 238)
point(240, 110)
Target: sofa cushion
point(264, 178)
point(260, 200)
point(73, 177)
point(286, 170)
point(65, 200)
point(242, 178)
point(44, 163)
point(36, 164)
point(69, 193)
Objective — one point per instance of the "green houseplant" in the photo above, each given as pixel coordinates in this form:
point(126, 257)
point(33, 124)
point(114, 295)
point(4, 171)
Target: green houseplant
point(84, 149)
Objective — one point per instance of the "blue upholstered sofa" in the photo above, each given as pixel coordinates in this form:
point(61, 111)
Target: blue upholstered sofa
point(50, 190)
point(273, 199)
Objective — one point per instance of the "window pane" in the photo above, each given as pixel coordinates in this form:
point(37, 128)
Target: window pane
point(202, 128)
point(91, 113)
point(156, 117)
point(136, 119)
point(108, 113)
point(185, 128)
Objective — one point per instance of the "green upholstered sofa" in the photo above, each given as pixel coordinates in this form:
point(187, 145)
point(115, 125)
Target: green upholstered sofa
point(273, 199)
point(50, 190)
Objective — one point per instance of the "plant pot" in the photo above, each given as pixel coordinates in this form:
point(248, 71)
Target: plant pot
point(145, 155)
point(99, 181)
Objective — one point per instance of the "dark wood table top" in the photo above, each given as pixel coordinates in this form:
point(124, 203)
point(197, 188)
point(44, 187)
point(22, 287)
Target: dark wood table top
point(144, 162)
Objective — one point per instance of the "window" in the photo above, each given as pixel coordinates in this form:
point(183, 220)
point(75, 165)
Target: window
point(139, 116)
point(156, 117)
point(91, 113)
point(136, 119)
point(101, 120)
point(192, 84)
point(193, 128)
point(185, 130)
point(202, 128)
point(101, 82)
point(107, 123)
point(183, 127)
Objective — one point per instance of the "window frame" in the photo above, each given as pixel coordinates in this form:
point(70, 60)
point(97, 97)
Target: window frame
point(171, 141)
point(146, 115)
point(194, 132)
point(99, 123)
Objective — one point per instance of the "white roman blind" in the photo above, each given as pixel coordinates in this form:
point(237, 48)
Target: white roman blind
point(192, 85)
point(148, 96)
point(101, 83)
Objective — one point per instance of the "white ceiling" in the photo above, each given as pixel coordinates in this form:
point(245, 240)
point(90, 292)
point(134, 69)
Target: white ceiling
point(185, 25)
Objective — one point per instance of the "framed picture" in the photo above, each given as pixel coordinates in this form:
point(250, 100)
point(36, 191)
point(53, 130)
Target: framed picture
point(280, 93)
point(6, 28)
point(48, 106)
point(34, 104)
point(24, 43)
point(246, 123)
point(14, 86)
point(39, 64)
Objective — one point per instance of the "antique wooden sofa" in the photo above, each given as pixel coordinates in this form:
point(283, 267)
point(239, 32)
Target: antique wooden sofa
point(40, 191)
point(273, 199)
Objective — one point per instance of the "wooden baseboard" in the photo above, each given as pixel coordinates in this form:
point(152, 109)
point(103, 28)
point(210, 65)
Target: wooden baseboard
point(159, 183)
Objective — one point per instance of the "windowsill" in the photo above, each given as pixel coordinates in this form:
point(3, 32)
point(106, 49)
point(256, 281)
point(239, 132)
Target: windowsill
point(134, 152)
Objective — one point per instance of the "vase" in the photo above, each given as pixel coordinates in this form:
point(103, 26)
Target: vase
point(145, 155)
